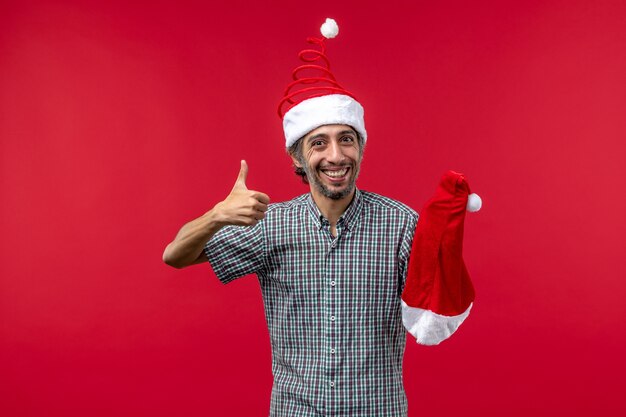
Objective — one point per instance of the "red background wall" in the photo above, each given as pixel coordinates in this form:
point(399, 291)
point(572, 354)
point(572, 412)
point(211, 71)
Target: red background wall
point(119, 122)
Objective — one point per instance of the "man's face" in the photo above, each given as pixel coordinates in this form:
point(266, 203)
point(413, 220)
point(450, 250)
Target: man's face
point(331, 158)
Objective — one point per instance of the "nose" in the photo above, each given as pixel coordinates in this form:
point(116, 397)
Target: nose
point(335, 153)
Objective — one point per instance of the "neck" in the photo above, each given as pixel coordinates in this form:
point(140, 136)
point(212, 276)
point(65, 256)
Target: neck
point(332, 209)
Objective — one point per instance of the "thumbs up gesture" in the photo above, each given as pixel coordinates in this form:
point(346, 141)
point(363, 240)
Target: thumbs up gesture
point(242, 207)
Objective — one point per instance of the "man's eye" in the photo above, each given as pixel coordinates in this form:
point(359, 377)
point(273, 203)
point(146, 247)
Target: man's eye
point(318, 143)
point(347, 139)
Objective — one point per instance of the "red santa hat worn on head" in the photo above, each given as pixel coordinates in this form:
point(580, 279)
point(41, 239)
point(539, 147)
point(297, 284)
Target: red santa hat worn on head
point(438, 292)
point(314, 98)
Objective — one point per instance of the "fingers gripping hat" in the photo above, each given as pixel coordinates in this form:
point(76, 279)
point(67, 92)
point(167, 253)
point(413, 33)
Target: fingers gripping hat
point(438, 292)
point(314, 98)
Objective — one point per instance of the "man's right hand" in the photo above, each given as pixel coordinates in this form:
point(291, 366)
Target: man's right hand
point(242, 207)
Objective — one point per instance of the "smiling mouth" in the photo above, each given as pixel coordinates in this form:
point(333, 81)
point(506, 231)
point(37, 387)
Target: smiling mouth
point(335, 173)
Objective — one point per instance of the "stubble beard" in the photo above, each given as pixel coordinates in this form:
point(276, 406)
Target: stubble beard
point(314, 179)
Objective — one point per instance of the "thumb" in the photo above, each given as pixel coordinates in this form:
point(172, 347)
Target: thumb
point(243, 174)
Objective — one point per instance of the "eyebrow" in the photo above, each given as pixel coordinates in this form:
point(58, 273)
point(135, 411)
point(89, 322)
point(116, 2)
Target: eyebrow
point(324, 135)
point(351, 132)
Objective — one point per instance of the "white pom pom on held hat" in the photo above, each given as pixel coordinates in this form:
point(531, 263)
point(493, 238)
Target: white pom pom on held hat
point(314, 98)
point(474, 202)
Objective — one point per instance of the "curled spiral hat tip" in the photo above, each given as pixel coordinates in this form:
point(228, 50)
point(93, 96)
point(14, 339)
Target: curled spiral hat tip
point(313, 78)
point(314, 97)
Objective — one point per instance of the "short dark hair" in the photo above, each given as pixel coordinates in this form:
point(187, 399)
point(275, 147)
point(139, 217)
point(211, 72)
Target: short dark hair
point(295, 150)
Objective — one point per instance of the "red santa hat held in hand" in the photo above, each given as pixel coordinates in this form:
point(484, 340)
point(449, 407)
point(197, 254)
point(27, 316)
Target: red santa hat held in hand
point(438, 293)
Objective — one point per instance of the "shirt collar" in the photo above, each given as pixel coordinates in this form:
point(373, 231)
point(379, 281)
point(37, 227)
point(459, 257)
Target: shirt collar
point(347, 219)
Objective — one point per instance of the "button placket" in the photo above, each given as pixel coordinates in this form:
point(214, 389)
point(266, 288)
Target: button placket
point(330, 304)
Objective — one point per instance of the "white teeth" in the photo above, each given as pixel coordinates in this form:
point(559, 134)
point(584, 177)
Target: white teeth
point(336, 174)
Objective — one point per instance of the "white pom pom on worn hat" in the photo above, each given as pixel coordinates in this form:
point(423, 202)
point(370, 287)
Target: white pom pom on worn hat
point(474, 202)
point(329, 28)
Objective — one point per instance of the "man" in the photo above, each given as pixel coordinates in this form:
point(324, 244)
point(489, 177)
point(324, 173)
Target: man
point(331, 266)
point(331, 263)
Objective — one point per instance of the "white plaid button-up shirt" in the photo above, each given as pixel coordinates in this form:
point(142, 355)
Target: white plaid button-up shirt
point(332, 304)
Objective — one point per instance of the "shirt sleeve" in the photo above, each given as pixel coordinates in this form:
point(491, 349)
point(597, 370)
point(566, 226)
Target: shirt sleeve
point(236, 251)
point(405, 249)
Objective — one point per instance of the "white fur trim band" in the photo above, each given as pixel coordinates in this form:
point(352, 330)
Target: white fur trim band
point(430, 328)
point(333, 109)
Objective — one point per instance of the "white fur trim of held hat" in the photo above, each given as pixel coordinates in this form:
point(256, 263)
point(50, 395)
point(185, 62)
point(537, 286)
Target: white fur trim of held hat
point(332, 109)
point(428, 327)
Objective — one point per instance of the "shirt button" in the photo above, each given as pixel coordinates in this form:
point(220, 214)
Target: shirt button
point(332, 383)
point(332, 318)
point(332, 283)
point(332, 351)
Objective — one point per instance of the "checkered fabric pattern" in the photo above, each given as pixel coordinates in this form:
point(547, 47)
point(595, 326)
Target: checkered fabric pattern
point(332, 304)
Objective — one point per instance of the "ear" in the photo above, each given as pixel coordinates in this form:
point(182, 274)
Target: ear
point(295, 161)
